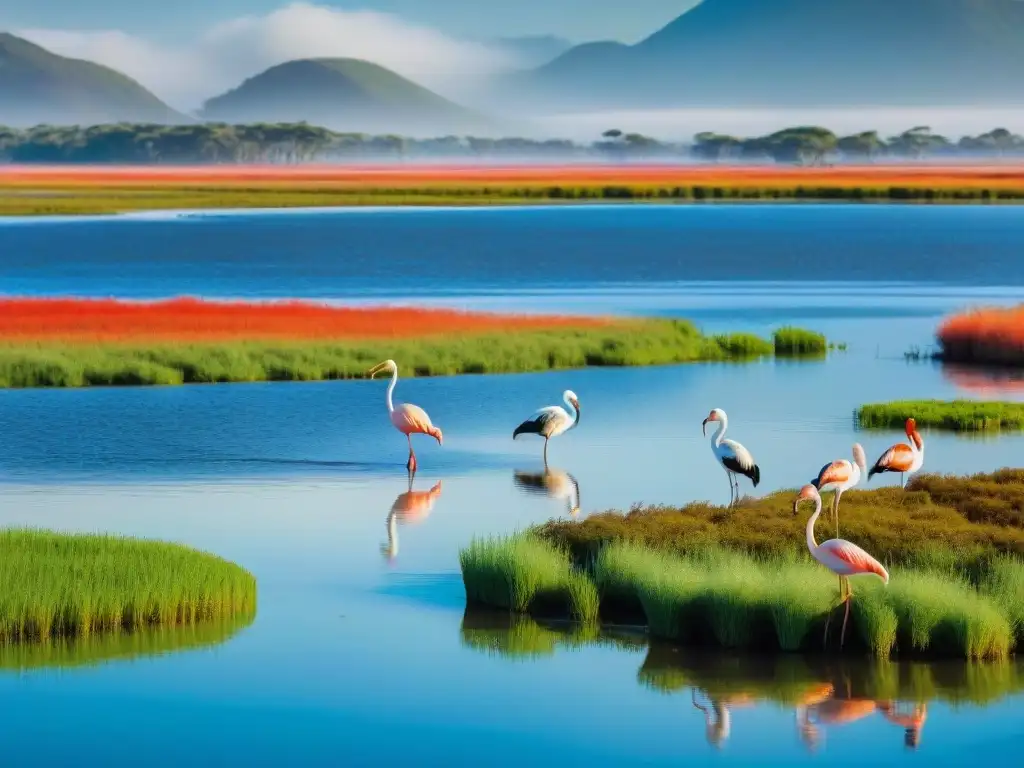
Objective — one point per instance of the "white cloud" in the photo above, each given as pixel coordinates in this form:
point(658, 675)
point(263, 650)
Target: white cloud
point(225, 54)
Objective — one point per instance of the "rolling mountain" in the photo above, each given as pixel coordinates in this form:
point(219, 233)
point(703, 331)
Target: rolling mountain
point(343, 94)
point(532, 50)
point(799, 53)
point(37, 86)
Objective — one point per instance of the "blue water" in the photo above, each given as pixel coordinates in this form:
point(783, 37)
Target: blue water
point(357, 654)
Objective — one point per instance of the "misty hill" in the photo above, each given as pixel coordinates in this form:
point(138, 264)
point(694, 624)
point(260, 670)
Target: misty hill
point(532, 50)
point(37, 86)
point(798, 53)
point(346, 94)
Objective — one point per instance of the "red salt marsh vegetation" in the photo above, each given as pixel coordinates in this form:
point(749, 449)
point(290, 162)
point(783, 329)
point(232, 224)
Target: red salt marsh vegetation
point(41, 190)
point(191, 320)
point(986, 336)
point(87, 342)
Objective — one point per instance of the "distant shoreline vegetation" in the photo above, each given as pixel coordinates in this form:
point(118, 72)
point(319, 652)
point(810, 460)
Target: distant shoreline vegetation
point(984, 336)
point(217, 143)
point(93, 342)
point(953, 416)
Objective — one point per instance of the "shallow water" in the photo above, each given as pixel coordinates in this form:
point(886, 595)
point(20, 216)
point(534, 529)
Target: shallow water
point(359, 650)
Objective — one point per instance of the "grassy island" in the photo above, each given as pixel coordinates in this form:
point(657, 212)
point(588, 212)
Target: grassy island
point(56, 585)
point(984, 337)
point(68, 190)
point(953, 416)
point(94, 342)
point(741, 578)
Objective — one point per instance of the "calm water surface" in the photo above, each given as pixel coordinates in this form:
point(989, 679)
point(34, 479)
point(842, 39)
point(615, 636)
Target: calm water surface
point(361, 651)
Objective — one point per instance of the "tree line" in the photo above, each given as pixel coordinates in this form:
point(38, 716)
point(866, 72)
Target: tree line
point(303, 143)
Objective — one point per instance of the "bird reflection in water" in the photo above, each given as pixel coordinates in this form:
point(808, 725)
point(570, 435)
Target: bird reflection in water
point(912, 721)
point(717, 716)
point(410, 507)
point(823, 710)
point(553, 483)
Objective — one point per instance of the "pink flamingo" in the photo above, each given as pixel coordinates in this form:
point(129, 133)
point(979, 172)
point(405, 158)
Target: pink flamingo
point(841, 475)
point(408, 419)
point(842, 557)
point(902, 458)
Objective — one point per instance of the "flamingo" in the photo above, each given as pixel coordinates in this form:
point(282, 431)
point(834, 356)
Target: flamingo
point(840, 476)
point(842, 557)
point(408, 419)
point(733, 457)
point(551, 421)
point(901, 457)
point(553, 483)
point(410, 507)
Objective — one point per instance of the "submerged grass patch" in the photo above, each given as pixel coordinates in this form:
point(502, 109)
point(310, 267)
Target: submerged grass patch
point(732, 600)
point(953, 415)
point(795, 342)
point(27, 363)
point(70, 585)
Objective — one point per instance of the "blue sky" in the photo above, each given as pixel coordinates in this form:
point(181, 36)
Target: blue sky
point(576, 19)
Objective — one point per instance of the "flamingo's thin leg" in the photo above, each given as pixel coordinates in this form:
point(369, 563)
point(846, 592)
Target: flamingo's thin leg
point(846, 616)
point(411, 465)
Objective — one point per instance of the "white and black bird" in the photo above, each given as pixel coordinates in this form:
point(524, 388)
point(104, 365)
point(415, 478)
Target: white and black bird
point(734, 458)
point(551, 421)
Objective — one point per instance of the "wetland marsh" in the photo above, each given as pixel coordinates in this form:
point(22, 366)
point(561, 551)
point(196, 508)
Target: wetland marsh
point(362, 637)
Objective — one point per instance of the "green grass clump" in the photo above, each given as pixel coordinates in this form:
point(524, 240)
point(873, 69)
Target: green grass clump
point(953, 415)
point(790, 342)
point(69, 585)
point(626, 343)
point(733, 600)
point(741, 346)
point(965, 521)
point(515, 572)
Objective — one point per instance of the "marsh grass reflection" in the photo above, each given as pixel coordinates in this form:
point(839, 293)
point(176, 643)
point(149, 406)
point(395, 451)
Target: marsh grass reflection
point(410, 507)
point(823, 692)
point(515, 636)
point(553, 483)
point(100, 648)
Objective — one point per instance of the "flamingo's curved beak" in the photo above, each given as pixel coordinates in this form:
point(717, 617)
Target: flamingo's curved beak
point(704, 427)
point(807, 492)
point(576, 405)
point(438, 437)
point(377, 369)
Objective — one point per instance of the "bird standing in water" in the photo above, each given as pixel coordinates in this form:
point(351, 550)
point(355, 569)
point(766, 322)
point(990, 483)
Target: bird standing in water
point(551, 421)
point(408, 419)
point(901, 457)
point(734, 458)
point(839, 476)
point(842, 557)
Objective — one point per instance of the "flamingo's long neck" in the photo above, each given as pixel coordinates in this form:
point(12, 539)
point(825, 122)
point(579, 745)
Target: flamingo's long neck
point(719, 436)
point(915, 439)
point(573, 411)
point(811, 543)
point(391, 388)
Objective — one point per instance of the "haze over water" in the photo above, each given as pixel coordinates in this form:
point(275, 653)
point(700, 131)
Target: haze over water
point(359, 652)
